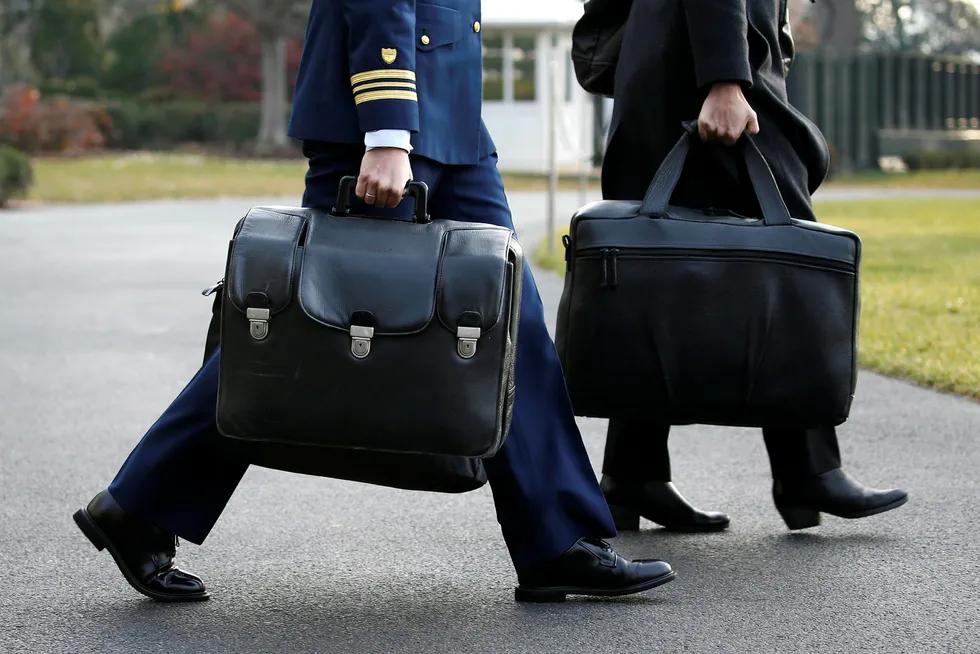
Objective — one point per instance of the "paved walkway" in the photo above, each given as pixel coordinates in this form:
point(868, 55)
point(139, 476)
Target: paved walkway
point(103, 324)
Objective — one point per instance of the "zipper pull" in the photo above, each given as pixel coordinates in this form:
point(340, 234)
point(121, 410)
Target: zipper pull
point(615, 255)
point(209, 291)
point(605, 267)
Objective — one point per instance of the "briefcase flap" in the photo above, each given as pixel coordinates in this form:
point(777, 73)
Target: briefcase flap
point(390, 275)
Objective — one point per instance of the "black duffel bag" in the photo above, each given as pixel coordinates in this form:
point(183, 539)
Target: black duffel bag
point(367, 349)
point(692, 317)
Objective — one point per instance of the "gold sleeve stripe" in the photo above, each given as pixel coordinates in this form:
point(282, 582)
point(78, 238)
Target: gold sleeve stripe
point(384, 85)
point(386, 95)
point(384, 73)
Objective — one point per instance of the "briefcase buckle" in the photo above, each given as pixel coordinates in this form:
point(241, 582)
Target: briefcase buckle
point(360, 340)
point(466, 338)
point(258, 323)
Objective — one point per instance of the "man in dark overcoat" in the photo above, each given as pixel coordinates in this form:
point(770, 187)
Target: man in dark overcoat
point(724, 63)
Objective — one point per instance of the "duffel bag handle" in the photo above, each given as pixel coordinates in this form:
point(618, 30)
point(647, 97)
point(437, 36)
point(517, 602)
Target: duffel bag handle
point(774, 211)
point(418, 191)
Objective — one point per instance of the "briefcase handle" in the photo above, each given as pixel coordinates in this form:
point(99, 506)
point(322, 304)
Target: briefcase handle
point(418, 191)
point(774, 211)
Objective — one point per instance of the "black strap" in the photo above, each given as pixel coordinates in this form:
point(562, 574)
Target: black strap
point(657, 198)
point(774, 210)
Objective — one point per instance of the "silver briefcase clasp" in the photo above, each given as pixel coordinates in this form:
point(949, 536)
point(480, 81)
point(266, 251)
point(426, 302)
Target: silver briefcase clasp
point(360, 340)
point(466, 339)
point(258, 323)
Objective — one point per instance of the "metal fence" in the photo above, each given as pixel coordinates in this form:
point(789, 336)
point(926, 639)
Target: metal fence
point(870, 105)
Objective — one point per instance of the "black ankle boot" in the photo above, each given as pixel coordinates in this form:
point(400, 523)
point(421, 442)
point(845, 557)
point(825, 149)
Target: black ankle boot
point(800, 502)
point(657, 501)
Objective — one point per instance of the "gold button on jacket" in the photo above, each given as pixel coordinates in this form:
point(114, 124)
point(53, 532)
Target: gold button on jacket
point(476, 26)
point(425, 40)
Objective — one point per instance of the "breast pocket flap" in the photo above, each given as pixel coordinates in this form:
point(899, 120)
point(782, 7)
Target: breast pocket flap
point(436, 26)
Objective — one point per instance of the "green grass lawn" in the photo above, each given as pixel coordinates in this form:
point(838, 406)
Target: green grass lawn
point(920, 278)
point(919, 179)
point(149, 176)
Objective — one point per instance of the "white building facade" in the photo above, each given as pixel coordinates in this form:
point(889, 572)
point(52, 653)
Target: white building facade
point(526, 53)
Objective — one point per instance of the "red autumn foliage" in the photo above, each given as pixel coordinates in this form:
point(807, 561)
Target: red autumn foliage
point(222, 62)
point(59, 125)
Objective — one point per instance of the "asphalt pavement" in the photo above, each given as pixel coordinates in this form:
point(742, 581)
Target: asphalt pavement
point(103, 323)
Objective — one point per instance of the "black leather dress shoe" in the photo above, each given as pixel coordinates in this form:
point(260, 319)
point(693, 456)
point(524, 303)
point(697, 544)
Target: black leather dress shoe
point(657, 501)
point(591, 567)
point(800, 502)
point(144, 554)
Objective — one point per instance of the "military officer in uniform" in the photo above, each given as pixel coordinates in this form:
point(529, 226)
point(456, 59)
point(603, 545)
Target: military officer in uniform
point(389, 90)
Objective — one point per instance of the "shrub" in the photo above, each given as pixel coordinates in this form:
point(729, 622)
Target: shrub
point(164, 125)
point(942, 159)
point(59, 125)
point(222, 62)
point(79, 87)
point(16, 174)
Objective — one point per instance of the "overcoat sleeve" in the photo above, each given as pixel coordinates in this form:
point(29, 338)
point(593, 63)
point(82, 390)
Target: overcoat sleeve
point(719, 40)
point(381, 42)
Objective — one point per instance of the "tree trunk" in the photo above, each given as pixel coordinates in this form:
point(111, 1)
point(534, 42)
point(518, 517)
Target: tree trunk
point(272, 129)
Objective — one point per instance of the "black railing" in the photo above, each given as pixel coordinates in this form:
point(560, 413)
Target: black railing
point(868, 105)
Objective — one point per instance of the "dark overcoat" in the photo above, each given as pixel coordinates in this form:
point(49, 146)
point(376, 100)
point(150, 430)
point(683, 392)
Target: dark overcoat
point(672, 52)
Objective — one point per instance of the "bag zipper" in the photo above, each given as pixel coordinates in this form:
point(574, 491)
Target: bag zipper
point(609, 270)
point(610, 259)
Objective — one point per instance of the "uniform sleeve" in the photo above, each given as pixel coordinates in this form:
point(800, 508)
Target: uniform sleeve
point(381, 38)
point(719, 40)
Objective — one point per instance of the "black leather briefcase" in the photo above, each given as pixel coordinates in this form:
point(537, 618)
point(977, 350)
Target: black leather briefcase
point(375, 350)
point(684, 317)
point(597, 38)
point(442, 474)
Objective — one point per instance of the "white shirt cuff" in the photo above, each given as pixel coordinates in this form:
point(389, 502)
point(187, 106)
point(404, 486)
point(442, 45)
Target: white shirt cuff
point(389, 138)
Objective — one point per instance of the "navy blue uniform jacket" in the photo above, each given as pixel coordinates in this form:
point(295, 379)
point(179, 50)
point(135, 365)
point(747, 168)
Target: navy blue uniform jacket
point(369, 65)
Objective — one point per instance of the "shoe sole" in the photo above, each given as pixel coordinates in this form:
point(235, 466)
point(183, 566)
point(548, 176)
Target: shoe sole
point(560, 593)
point(878, 509)
point(797, 518)
point(627, 519)
point(101, 542)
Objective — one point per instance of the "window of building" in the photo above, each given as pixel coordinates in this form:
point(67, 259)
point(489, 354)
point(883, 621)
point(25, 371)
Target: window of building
point(525, 65)
point(493, 67)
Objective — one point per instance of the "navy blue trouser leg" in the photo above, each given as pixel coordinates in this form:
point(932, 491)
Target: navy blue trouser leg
point(182, 474)
point(544, 488)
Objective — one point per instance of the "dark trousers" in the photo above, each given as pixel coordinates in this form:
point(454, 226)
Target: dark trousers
point(181, 474)
point(637, 451)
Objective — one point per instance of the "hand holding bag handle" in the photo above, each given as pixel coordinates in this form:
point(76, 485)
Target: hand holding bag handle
point(419, 191)
point(774, 211)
